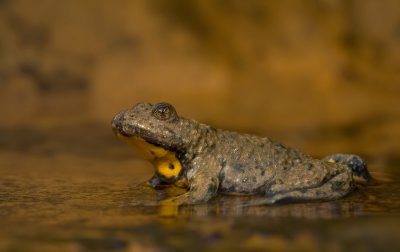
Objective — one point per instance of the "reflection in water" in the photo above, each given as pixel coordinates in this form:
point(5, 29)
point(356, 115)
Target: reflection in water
point(364, 202)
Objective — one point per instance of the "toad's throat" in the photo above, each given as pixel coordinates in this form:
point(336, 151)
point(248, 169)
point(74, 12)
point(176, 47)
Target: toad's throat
point(165, 161)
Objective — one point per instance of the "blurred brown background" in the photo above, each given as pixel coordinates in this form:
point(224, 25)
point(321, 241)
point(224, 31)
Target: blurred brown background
point(316, 74)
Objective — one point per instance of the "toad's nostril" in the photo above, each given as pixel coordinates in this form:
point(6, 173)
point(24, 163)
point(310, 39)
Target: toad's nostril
point(117, 120)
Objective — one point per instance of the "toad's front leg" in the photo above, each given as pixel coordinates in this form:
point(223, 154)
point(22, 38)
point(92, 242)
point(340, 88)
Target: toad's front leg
point(203, 180)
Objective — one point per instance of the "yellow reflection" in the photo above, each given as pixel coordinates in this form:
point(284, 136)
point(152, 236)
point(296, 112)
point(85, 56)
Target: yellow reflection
point(168, 210)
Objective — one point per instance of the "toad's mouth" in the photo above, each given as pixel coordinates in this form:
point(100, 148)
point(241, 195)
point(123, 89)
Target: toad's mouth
point(168, 167)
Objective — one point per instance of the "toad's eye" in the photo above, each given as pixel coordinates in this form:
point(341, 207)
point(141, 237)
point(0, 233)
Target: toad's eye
point(163, 111)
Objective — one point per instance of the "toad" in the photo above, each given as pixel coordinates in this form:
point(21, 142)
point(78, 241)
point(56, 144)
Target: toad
point(206, 160)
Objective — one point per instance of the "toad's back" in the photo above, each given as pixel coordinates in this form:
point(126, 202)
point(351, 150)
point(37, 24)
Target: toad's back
point(252, 165)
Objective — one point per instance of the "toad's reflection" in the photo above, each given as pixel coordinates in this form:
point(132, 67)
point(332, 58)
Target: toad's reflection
point(224, 205)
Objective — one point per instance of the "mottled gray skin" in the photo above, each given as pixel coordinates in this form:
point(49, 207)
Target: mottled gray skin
point(218, 160)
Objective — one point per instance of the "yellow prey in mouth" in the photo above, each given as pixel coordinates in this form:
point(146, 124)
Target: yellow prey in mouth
point(165, 161)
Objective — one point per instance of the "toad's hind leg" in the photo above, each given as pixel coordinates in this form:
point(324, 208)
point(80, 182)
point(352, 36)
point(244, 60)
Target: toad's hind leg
point(337, 187)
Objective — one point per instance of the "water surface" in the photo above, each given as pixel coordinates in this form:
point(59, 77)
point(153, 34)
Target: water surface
point(79, 189)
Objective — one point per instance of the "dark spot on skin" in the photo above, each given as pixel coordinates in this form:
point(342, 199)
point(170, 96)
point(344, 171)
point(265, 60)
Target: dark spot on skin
point(262, 172)
point(222, 163)
point(257, 164)
point(303, 190)
point(278, 146)
point(212, 188)
point(267, 188)
point(171, 166)
point(152, 153)
point(310, 167)
point(233, 136)
point(262, 145)
point(212, 129)
point(238, 167)
point(337, 185)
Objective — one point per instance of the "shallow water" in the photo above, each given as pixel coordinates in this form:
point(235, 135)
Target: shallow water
point(78, 189)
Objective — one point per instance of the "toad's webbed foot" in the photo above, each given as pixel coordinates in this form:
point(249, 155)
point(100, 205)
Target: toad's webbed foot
point(357, 165)
point(198, 193)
